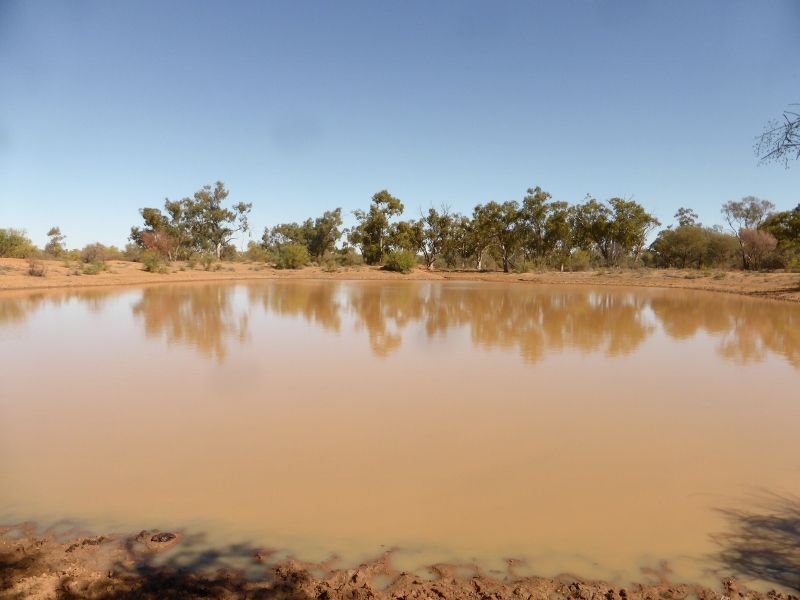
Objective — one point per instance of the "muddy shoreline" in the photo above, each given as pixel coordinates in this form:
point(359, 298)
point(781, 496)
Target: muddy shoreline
point(63, 563)
point(775, 286)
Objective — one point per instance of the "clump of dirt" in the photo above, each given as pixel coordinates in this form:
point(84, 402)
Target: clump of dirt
point(61, 565)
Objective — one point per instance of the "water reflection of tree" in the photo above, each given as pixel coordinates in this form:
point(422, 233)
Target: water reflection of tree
point(763, 541)
point(201, 316)
point(534, 322)
point(15, 309)
point(316, 302)
point(384, 310)
point(749, 331)
point(553, 320)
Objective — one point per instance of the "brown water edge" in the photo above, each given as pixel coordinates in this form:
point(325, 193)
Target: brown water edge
point(64, 562)
point(772, 285)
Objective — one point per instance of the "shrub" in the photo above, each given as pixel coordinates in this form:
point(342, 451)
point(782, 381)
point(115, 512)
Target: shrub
point(208, 261)
point(152, 261)
point(401, 261)
point(757, 246)
point(329, 264)
point(93, 268)
point(114, 253)
point(256, 252)
point(291, 256)
point(579, 260)
point(15, 244)
point(229, 253)
point(36, 268)
point(161, 242)
point(348, 257)
point(94, 253)
point(132, 252)
point(72, 255)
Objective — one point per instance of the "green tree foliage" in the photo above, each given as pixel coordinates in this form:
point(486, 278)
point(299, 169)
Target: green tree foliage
point(436, 233)
point(325, 232)
point(319, 236)
point(213, 226)
point(546, 231)
point(197, 224)
point(405, 235)
point(497, 228)
point(785, 228)
point(15, 244)
point(55, 243)
point(291, 256)
point(686, 217)
point(371, 235)
point(615, 230)
point(402, 261)
point(692, 245)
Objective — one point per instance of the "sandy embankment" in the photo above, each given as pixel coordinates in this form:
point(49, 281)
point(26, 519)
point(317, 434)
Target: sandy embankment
point(60, 564)
point(781, 286)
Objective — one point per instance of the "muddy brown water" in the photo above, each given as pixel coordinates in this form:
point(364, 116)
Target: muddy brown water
point(609, 432)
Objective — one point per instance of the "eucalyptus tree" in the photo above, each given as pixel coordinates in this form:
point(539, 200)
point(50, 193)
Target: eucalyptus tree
point(373, 229)
point(499, 227)
point(631, 226)
point(749, 213)
point(405, 235)
point(211, 224)
point(323, 233)
point(55, 243)
point(197, 224)
point(615, 230)
point(686, 217)
point(545, 227)
point(785, 227)
point(436, 229)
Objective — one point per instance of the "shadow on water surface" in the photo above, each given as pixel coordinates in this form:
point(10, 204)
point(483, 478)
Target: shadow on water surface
point(531, 320)
point(763, 540)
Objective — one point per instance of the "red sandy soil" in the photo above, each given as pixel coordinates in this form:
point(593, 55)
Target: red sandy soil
point(781, 286)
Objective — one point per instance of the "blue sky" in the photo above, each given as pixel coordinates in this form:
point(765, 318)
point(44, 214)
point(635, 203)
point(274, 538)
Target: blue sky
point(302, 106)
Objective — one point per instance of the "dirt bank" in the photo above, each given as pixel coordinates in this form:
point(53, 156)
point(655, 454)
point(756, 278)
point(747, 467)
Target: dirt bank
point(780, 286)
point(61, 564)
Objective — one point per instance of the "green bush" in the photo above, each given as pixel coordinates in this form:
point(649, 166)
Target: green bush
point(15, 244)
point(132, 253)
point(256, 252)
point(153, 261)
point(329, 264)
point(401, 261)
point(291, 256)
point(93, 268)
point(348, 257)
point(208, 261)
point(579, 260)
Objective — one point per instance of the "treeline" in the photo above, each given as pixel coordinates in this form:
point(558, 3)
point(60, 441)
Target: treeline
point(535, 232)
point(540, 233)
